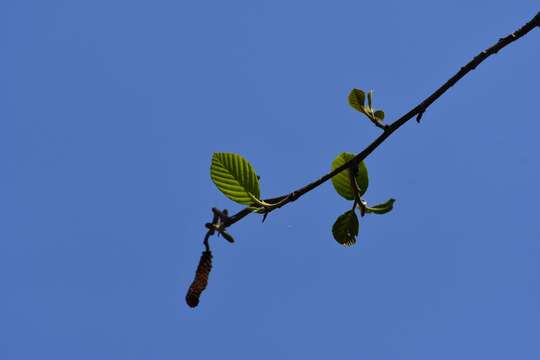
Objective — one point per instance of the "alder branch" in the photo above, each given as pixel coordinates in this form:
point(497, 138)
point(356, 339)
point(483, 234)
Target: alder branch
point(417, 111)
point(221, 220)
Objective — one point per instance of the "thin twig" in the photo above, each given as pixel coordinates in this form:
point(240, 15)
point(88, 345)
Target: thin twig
point(379, 124)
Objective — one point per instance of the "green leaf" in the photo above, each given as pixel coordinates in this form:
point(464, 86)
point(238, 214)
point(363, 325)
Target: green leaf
point(235, 177)
point(356, 99)
point(381, 208)
point(345, 228)
point(369, 99)
point(342, 181)
point(379, 114)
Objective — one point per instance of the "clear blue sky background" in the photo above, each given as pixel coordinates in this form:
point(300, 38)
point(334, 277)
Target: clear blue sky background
point(110, 112)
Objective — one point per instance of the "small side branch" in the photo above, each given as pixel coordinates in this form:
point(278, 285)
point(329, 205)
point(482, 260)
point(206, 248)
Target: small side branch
point(379, 124)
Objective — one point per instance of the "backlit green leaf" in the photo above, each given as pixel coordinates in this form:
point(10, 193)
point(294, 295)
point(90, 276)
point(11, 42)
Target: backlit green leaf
point(345, 228)
point(379, 114)
point(381, 208)
point(342, 181)
point(356, 99)
point(235, 177)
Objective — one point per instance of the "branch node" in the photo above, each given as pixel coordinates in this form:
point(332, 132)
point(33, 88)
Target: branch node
point(223, 216)
point(292, 196)
point(378, 123)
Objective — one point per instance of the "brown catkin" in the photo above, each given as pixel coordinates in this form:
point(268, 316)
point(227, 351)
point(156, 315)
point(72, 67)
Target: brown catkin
point(201, 279)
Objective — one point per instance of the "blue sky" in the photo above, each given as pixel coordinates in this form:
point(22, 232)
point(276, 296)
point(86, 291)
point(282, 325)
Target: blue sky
point(112, 109)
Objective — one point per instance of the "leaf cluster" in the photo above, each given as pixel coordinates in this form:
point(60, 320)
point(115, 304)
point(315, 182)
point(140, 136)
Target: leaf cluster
point(357, 99)
point(236, 178)
point(352, 184)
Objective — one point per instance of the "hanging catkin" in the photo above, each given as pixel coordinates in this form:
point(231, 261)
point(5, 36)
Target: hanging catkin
point(201, 279)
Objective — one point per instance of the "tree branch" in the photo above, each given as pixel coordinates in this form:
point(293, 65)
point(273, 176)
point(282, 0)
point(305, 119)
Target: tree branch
point(221, 220)
point(417, 111)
